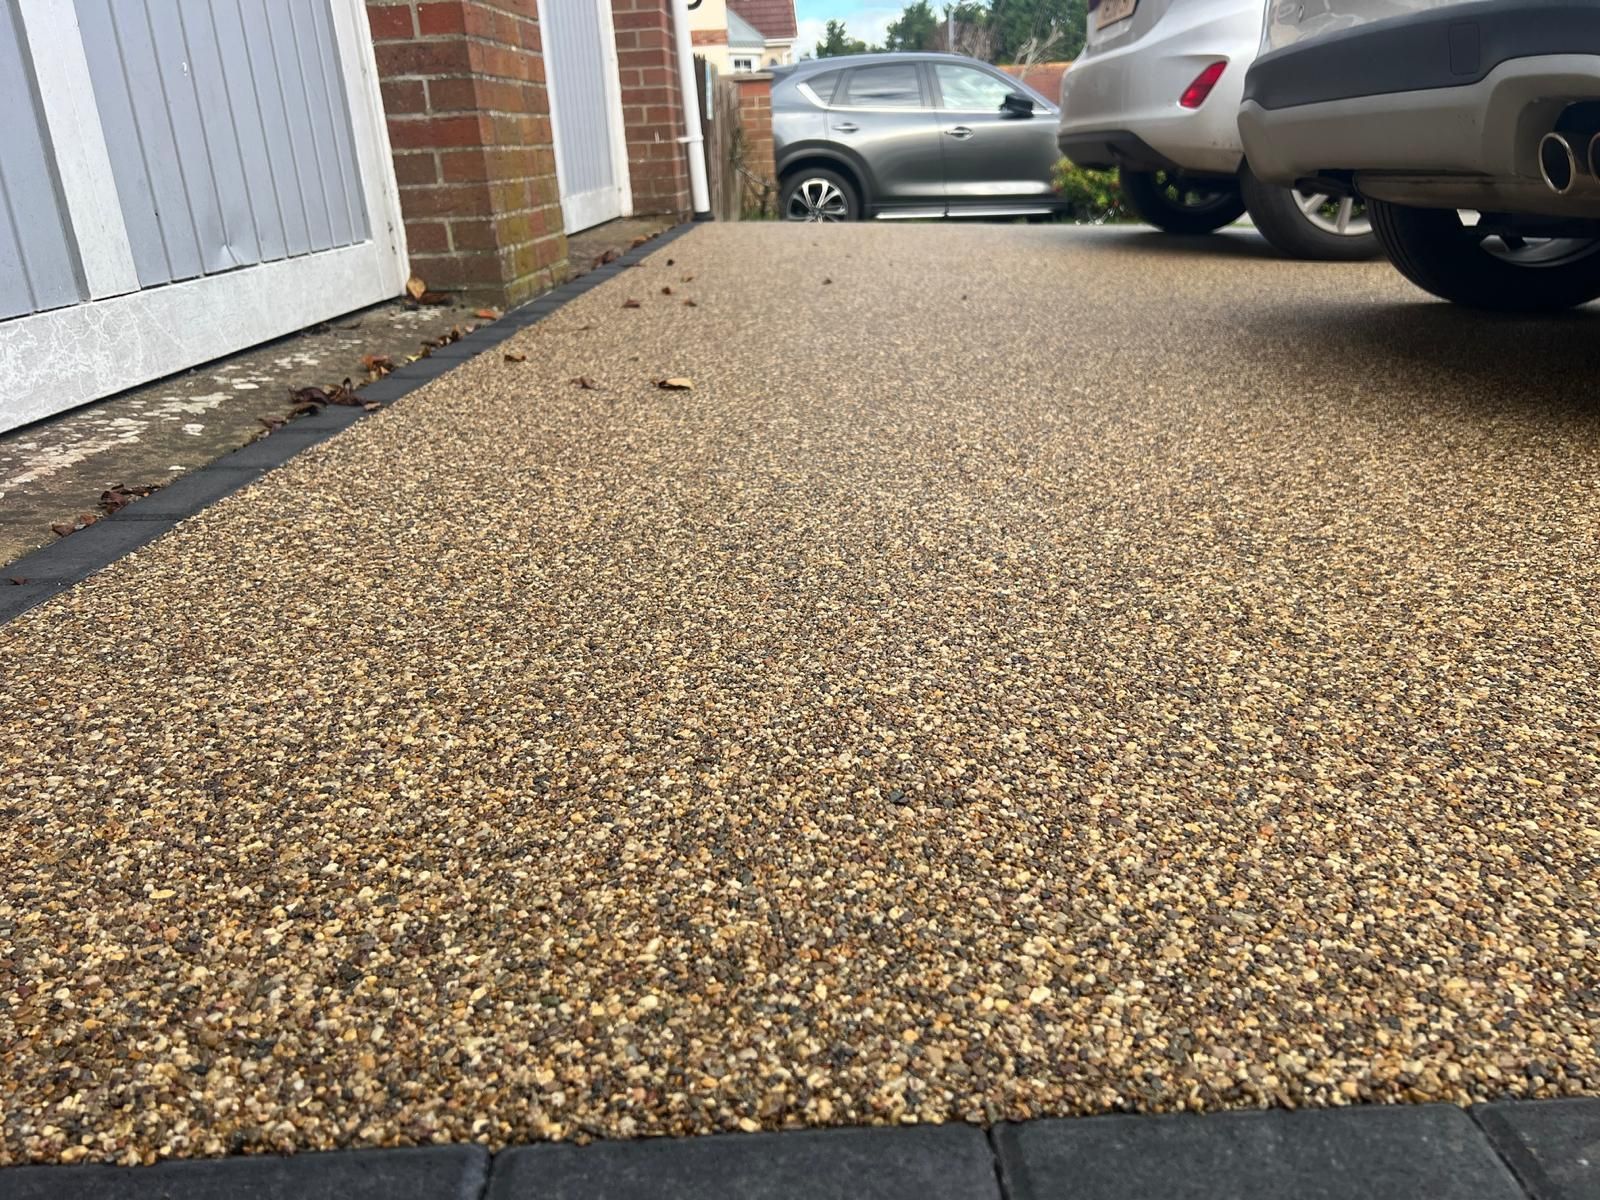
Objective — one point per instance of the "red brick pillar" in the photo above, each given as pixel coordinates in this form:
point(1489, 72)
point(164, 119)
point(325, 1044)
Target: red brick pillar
point(469, 122)
point(652, 109)
point(755, 119)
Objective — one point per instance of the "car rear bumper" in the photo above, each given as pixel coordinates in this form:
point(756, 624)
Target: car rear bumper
point(1131, 91)
point(1445, 109)
point(1463, 147)
point(1105, 148)
point(1453, 46)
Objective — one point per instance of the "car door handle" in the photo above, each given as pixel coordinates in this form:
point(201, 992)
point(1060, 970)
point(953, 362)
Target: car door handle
point(846, 127)
point(960, 132)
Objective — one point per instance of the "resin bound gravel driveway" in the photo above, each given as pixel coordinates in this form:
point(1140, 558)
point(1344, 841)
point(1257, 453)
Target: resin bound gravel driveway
point(1036, 672)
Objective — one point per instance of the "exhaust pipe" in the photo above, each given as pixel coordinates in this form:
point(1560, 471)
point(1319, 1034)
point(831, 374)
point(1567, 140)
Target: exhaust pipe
point(1567, 163)
point(1594, 156)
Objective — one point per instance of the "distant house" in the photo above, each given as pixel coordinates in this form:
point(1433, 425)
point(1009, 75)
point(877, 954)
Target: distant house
point(739, 36)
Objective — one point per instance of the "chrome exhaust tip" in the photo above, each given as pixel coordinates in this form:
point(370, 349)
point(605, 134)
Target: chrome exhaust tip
point(1559, 164)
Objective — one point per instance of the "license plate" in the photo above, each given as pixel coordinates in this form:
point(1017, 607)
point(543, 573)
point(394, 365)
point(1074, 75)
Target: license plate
point(1112, 11)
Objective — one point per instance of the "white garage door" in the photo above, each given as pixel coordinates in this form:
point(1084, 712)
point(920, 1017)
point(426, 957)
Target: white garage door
point(586, 111)
point(186, 178)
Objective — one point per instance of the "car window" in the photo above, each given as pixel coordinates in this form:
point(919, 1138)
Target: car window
point(970, 90)
point(893, 85)
point(821, 85)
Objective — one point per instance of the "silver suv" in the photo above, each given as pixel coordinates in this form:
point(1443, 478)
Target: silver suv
point(910, 135)
point(1470, 127)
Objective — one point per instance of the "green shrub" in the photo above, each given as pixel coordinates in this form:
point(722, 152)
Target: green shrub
point(1095, 196)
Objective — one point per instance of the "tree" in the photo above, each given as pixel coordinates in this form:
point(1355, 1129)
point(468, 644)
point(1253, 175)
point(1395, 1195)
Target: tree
point(1017, 23)
point(965, 30)
point(915, 30)
point(835, 41)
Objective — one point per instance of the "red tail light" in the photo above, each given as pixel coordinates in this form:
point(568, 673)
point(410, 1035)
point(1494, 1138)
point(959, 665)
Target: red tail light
point(1195, 94)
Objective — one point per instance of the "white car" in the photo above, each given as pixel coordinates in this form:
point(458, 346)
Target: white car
point(1471, 128)
point(1156, 93)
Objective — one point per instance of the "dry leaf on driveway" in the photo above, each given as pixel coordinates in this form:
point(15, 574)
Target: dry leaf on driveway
point(416, 289)
point(630, 304)
point(516, 356)
point(675, 383)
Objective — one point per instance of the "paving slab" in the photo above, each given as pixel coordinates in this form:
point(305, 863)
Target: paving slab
point(1032, 672)
point(1394, 1153)
point(951, 1162)
point(1553, 1147)
point(433, 1173)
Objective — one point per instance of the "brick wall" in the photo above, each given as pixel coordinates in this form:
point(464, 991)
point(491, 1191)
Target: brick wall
point(651, 107)
point(755, 119)
point(1044, 78)
point(469, 122)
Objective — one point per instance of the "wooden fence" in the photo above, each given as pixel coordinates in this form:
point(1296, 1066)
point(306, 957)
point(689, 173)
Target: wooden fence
point(740, 186)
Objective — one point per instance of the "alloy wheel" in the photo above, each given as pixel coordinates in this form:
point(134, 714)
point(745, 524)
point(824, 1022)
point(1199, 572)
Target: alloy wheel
point(817, 200)
point(1342, 216)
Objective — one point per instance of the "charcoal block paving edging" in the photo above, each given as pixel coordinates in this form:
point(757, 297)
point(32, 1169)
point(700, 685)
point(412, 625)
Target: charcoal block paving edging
point(72, 559)
point(1518, 1150)
point(429, 1173)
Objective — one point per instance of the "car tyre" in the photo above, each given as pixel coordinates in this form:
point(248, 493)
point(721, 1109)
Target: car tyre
point(1435, 250)
point(816, 194)
point(1291, 231)
point(1171, 204)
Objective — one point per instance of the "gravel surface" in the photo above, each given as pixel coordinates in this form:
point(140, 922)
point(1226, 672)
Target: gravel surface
point(1035, 672)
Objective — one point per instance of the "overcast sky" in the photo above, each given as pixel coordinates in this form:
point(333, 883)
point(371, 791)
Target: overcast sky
point(863, 19)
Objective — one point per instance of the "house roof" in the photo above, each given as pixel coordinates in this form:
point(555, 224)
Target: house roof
point(742, 34)
point(773, 19)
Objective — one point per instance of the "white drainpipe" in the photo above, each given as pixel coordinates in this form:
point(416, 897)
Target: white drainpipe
point(698, 192)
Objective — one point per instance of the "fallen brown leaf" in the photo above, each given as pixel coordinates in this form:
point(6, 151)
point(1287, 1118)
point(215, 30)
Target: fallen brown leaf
point(630, 304)
point(670, 261)
point(416, 289)
point(18, 580)
point(690, 304)
point(687, 279)
point(638, 241)
point(585, 383)
point(120, 496)
point(675, 383)
point(371, 406)
point(610, 256)
point(487, 314)
point(434, 298)
point(377, 365)
point(827, 281)
point(307, 399)
point(666, 291)
point(516, 356)
point(62, 528)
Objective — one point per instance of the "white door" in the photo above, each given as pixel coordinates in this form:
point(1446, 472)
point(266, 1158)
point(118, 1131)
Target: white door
point(586, 111)
point(189, 177)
